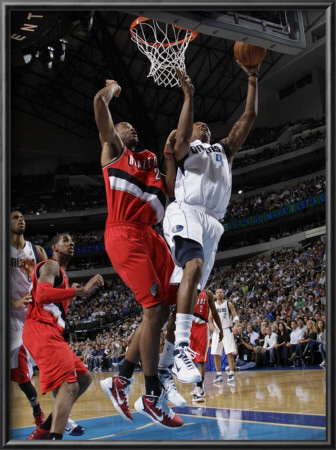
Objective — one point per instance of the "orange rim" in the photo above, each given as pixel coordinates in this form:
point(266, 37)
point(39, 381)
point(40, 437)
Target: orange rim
point(153, 44)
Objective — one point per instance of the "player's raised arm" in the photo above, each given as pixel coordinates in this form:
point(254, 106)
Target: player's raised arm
point(168, 152)
point(109, 138)
point(186, 121)
point(242, 127)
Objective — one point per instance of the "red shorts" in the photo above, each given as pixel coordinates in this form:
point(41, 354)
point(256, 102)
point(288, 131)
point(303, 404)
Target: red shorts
point(24, 371)
point(199, 341)
point(56, 362)
point(142, 259)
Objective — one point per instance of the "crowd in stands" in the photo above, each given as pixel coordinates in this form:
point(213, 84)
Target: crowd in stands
point(281, 149)
point(280, 297)
point(267, 201)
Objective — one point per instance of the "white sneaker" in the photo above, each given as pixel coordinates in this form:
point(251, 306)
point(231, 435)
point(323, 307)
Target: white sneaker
point(73, 429)
point(231, 379)
point(171, 393)
point(218, 379)
point(199, 394)
point(184, 368)
point(227, 369)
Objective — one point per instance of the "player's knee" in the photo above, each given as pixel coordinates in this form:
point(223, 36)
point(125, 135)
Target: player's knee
point(157, 314)
point(72, 390)
point(85, 380)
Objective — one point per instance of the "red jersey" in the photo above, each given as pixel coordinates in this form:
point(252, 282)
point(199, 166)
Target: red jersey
point(201, 313)
point(134, 188)
point(53, 313)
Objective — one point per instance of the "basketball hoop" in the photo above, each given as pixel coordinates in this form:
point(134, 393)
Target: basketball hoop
point(164, 45)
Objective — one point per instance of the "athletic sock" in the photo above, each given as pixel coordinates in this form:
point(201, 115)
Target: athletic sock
point(55, 436)
point(152, 385)
point(200, 383)
point(127, 369)
point(47, 424)
point(36, 410)
point(167, 356)
point(182, 330)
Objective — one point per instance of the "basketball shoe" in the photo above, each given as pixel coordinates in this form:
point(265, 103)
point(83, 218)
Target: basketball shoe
point(184, 368)
point(171, 393)
point(38, 434)
point(218, 379)
point(73, 429)
point(156, 409)
point(118, 389)
point(231, 378)
point(198, 395)
point(39, 419)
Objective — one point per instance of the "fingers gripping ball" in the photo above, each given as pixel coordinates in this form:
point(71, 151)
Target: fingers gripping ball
point(247, 54)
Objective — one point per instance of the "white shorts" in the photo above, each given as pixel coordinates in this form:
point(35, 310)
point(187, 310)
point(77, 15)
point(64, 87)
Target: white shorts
point(228, 342)
point(192, 222)
point(17, 320)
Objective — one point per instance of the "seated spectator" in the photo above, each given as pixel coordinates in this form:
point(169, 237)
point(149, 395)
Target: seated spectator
point(291, 346)
point(314, 345)
point(245, 354)
point(267, 353)
point(303, 349)
point(280, 346)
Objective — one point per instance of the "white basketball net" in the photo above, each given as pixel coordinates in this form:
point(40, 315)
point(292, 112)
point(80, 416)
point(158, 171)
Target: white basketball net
point(165, 46)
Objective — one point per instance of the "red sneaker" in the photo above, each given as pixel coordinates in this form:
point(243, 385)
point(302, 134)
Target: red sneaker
point(40, 419)
point(156, 409)
point(118, 389)
point(38, 433)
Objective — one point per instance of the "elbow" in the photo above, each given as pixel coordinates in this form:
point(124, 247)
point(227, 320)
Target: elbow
point(251, 115)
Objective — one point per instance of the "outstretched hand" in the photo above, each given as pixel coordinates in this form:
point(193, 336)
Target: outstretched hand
point(185, 82)
point(254, 69)
point(95, 281)
point(116, 88)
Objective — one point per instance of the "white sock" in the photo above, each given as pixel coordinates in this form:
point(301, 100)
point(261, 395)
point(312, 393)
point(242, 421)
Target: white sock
point(167, 356)
point(183, 326)
point(219, 373)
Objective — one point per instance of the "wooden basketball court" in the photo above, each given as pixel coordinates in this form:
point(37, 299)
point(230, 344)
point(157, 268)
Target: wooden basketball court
point(279, 404)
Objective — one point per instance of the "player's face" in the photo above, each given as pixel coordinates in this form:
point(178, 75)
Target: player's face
point(65, 246)
point(127, 134)
point(18, 224)
point(219, 294)
point(201, 131)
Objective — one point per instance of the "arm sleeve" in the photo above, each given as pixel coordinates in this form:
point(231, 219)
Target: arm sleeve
point(46, 293)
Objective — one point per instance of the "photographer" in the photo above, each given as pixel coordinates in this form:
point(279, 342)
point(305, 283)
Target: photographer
point(245, 353)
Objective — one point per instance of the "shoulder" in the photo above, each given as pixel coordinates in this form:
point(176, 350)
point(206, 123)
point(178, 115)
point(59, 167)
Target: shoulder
point(50, 266)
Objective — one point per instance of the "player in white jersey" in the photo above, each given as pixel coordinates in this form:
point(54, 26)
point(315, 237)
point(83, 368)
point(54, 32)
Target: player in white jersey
point(202, 191)
point(228, 316)
point(21, 362)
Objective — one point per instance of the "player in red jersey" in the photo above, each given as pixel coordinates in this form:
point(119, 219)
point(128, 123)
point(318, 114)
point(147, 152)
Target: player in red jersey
point(60, 369)
point(200, 336)
point(136, 198)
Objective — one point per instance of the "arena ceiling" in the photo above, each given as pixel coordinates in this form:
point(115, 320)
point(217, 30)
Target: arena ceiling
point(98, 46)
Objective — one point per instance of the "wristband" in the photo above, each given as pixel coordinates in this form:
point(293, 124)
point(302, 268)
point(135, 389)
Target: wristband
point(235, 319)
point(252, 74)
point(168, 155)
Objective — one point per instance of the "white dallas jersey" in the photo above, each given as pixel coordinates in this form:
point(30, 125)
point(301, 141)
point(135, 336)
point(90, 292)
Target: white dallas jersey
point(204, 178)
point(21, 284)
point(224, 314)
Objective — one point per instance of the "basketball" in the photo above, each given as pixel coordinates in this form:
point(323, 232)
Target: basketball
point(247, 54)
